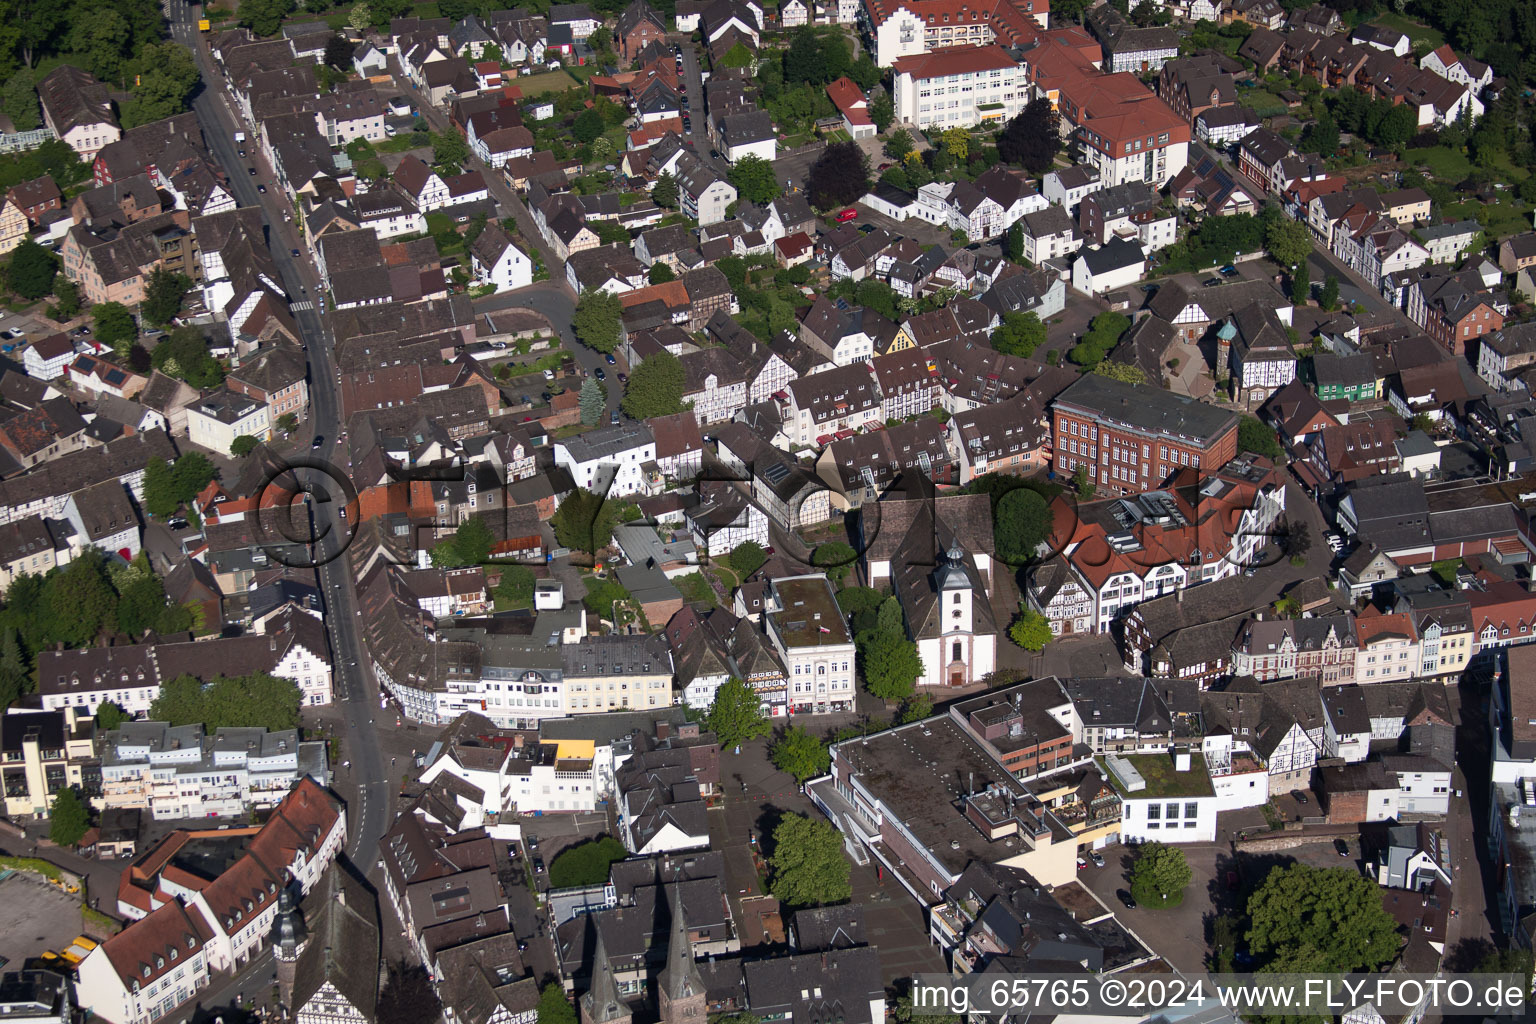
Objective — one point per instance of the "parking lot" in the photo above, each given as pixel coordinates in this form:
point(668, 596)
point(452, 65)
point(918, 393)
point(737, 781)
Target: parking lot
point(42, 917)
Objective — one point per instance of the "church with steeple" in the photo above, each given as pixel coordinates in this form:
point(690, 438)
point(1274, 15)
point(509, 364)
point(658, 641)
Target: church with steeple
point(680, 995)
point(944, 598)
point(327, 952)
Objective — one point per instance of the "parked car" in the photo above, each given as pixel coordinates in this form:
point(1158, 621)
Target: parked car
point(317, 442)
point(1342, 847)
point(613, 418)
point(844, 216)
point(1229, 271)
point(262, 189)
point(252, 170)
point(623, 378)
point(1211, 282)
point(176, 524)
point(1125, 897)
point(599, 374)
point(610, 360)
point(1301, 798)
point(294, 253)
point(1096, 857)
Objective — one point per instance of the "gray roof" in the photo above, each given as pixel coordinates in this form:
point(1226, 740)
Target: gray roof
point(1147, 409)
point(342, 918)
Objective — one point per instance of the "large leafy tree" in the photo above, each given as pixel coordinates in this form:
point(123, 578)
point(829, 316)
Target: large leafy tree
point(586, 863)
point(450, 152)
point(408, 997)
point(1023, 521)
point(115, 326)
point(256, 700)
point(69, 818)
point(1330, 916)
point(1159, 875)
point(839, 176)
point(808, 865)
point(264, 17)
point(800, 754)
point(754, 180)
point(736, 715)
point(1031, 630)
point(836, 558)
point(184, 354)
point(516, 585)
point(887, 659)
point(882, 111)
point(655, 388)
point(585, 521)
point(14, 677)
point(338, 52)
point(33, 269)
point(1254, 436)
point(81, 601)
point(1103, 334)
point(805, 60)
point(554, 1007)
point(1032, 137)
point(746, 558)
point(1020, 334)
point(470, 545)
point(597, 320)
point(664, 194)
point(163, 295)
point(159, 489)
point(166, 75)
point(1288, 241)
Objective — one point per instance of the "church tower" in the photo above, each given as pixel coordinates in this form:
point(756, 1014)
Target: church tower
point(287, 945)
point(679, 989)
point(601, 1003)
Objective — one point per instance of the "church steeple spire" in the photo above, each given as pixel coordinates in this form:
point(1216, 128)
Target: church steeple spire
point(680, 988)
point(601, 1003)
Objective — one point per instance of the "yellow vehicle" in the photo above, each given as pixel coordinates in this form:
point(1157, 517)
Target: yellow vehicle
point(203, 25)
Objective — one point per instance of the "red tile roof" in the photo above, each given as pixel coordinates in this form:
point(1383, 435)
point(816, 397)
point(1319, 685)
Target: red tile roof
point(953, 60)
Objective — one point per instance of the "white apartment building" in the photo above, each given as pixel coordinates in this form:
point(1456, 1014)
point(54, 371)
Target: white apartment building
point(811, 636)
point(959, 87)
point(218, 418)
point(613, 453)
point(179, 772)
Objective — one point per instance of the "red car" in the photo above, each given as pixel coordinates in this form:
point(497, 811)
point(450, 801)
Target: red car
point(847, 215)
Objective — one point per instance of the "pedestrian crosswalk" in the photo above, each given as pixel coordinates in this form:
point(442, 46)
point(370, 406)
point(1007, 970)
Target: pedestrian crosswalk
point(299, 307)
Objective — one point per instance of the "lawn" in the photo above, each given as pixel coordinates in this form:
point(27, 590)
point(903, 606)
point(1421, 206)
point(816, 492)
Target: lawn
point(794, 142)
point(696, 589)
point(1447, 164)
point(545, 81)
point(839, 135)
point(1417, 31)
point(403, 143)
point(1499, 220)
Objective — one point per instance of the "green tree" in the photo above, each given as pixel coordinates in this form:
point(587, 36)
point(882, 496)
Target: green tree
point(746, 558)
point(68, 295)
point(738, 56)
point(808, 867)
point(68, 818)
point(32, 270)
point(450, 152)
point(338, 52)
point(115, 326)
point(166, 75)
point(839, 176)
point(800, 754)
point(664, 193)
point(264, 17)
point(1013, 242)
point(1022, 523)
point(1321, 137)
point(288, 422)
point(81, 601)
point(865, 73)
point(1082, 485)
point(957, 143)
point(14, 677)
point(899, 144)
point(1031, 630)
point(1301, 283)
point(890, 618)
point(882, 111)
point(1288, 241)
point(592, 402)
point(163, 295)
point(1104, 332)
point(1159, 875)
point(902, 1010)
point(1031, 138)
point(18, 100)
point(554, 1007)
point(1254, 436)
point(836, 558)
point(1020, 334)
point(735, 715)
point(804, 61)
point(889, 663)
point(516, 586)
point(110, 716)
point(1332, 915)
point(408, 997)
point(360, 17)
point(1125, 373)
point(1226, 934)
point(655, 388)
point(754, 180)
point(470, 545)
point(597, 320)
point(588, 125)
point(660, 273)
point(140, 605)
point(243, 445)
point(584, 521)
point(191, 474)
point(586, 863)
point(914, 709)
point(160, 498)
point(1328, 295)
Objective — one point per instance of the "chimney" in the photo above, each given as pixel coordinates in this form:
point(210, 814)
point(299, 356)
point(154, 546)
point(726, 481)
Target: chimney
point(663, 728)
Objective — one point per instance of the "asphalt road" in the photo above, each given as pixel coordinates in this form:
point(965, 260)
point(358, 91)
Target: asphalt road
point(694, 81)
point(366, 785)
point(554, 302)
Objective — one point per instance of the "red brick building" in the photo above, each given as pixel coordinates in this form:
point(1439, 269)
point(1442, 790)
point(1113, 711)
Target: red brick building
point(1131, 437)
